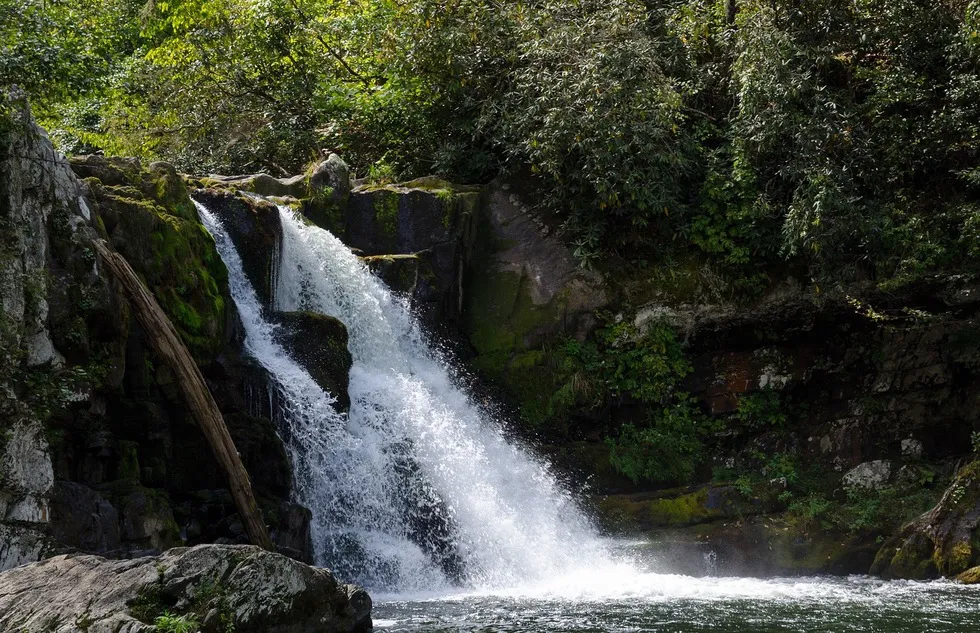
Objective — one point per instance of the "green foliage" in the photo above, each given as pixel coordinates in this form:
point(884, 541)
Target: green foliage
point(619, 361)
point(835, 138)
point(761, 410)
point(667, 449)
point(170, 623)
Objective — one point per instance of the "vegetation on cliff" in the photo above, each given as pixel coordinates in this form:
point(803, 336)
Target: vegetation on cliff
point(839, 138)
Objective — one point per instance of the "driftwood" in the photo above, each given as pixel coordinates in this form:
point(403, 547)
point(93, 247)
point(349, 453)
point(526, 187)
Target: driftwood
point(167, 344)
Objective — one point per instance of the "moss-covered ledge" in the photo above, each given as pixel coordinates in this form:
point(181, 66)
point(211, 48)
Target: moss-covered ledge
point(149, 217)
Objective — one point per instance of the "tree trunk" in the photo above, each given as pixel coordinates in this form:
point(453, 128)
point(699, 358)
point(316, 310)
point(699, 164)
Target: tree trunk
point(167, 344)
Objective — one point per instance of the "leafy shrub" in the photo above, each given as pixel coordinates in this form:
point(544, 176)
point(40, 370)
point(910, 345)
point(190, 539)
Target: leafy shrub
point(761, 410)
point(667, 449)
point(170, 623)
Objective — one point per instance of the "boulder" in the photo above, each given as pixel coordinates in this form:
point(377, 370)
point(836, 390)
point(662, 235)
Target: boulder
point(261, 184)
point(218, 587)
point(873, 474)
point(331, 179)
point(970, 576)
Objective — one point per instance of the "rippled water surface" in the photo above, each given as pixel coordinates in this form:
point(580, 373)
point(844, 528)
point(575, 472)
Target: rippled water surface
point(620, 598)
point(681, 604)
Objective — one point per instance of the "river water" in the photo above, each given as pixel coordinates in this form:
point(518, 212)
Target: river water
point(637, 598)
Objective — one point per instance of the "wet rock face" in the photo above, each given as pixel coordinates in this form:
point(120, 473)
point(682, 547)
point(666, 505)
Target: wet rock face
point(256, 230)
point(429, 218)
point(319, 344)
point(218, 587)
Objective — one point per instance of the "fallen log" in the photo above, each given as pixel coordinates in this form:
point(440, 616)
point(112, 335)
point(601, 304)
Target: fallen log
point(168, 345)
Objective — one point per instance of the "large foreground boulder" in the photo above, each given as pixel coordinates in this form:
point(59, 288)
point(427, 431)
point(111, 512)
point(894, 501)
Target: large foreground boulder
point(220, 587)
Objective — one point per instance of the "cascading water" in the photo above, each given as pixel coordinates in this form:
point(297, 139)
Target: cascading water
point(416, 488)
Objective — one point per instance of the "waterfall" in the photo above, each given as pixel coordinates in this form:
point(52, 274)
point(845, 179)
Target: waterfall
point(415, 488)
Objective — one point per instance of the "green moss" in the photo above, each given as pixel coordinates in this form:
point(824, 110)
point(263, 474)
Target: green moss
point(158, 232)
point(970, 576)
point(169, 191)
point(674, 508)
point(954, 559)
point(129, 466)
point(501, 313)
point(386, 214)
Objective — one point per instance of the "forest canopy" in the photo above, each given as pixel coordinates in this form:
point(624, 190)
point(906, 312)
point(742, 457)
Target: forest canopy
point(839, 138)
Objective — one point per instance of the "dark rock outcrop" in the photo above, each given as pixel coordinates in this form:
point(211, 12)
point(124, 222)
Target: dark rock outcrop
point(523, 291)
point(319, 344)
point(255, 229)
point(429, 218)
point(218, 587)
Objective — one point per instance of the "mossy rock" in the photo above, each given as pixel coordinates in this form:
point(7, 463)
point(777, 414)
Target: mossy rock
point(945, 541)
point(326, 213)
point(159, 182)
point(327, 359)
point(525, 293)
point(408, 217)
point(152, 222)
point(682, 507)
point(970, 576)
